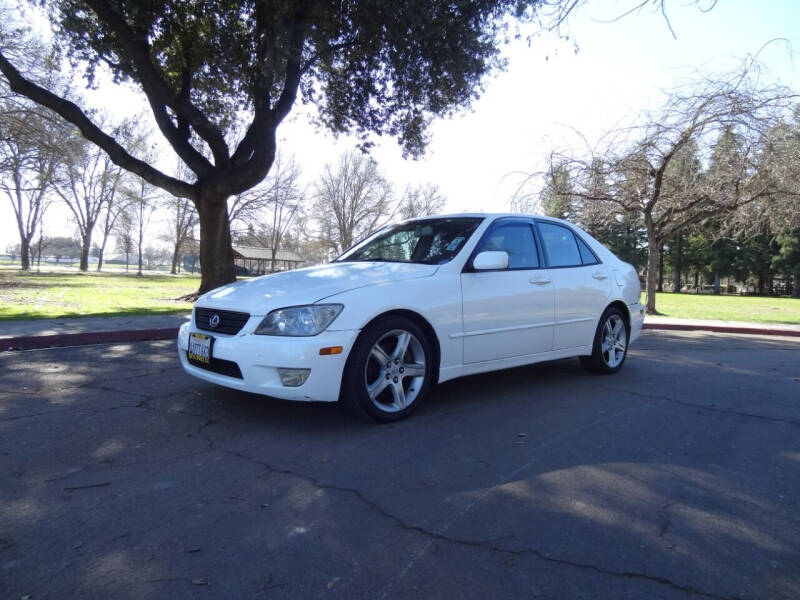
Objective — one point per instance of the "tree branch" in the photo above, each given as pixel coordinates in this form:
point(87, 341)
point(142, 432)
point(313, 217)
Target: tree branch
point(155, 87)
point(72, 113)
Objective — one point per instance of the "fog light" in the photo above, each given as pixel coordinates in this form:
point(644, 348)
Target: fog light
point(293, 377)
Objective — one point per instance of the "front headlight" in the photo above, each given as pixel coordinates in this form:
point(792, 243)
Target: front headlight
point(299, 320)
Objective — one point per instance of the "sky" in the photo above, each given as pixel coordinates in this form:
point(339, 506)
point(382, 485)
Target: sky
point(547, 92)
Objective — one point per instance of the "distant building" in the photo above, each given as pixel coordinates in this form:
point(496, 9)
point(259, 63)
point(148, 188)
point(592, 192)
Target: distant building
point(119, 259)
point(257, 261)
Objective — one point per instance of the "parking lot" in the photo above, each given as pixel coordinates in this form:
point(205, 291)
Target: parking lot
point(678, 477)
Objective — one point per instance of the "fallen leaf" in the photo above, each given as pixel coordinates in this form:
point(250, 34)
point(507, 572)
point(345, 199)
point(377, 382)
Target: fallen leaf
point(192, 549)
point(199, 581)
point(332, 583)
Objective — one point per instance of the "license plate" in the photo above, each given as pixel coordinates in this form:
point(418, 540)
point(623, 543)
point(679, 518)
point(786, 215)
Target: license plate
point(200, 347)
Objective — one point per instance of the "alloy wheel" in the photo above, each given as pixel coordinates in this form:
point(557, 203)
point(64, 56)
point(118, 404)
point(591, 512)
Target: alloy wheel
point(615, 340)
point(395, 370)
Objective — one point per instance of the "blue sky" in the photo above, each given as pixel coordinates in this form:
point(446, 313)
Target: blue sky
point(547, 91)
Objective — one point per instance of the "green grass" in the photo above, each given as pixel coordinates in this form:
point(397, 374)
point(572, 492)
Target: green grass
point(728, 308)
point(70, 293)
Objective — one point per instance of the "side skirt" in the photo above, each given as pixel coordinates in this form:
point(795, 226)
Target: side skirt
point(447, 373)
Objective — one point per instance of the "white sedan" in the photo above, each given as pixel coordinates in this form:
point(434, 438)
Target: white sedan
point(416, 304)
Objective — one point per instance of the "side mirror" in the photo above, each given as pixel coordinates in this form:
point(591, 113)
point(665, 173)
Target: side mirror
point(490, 261)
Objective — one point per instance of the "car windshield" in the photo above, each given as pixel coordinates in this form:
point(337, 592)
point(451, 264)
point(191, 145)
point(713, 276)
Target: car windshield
point(427, 241)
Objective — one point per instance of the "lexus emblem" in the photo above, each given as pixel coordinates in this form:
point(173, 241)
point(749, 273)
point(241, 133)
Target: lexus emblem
point(213, 321)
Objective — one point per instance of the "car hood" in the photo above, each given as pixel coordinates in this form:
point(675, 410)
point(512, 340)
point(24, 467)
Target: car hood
point(260, 295)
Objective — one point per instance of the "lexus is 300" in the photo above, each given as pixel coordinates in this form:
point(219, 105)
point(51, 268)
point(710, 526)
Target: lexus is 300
point(416, 304)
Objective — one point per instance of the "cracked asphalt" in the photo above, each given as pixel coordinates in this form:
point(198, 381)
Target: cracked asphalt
point(679, 477)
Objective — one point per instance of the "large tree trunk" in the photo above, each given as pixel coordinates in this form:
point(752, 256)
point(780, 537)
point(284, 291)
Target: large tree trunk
point(676, 275)
point(141, 237)
point(796, 286)
point(175, 255)
point(85, 247)
point(716, 282)
point(661, 268)
point(100, 257)
point(25, 253)
point(652, 266)
point(216, 253)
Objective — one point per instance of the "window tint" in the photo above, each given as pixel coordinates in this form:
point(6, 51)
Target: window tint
point(560, 245)
point(516, 239)
point(586, 255)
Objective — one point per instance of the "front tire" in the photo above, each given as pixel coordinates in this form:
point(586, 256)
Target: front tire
point(610, 344)
point(389, 371)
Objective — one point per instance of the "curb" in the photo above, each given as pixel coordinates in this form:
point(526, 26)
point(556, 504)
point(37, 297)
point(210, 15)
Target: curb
point(722, 329)
point(37, 342)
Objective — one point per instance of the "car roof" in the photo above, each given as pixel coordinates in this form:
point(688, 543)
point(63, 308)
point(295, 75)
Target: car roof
point(484, 215)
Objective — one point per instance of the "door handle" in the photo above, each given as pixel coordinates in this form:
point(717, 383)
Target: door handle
point(599, 275)
point(540, 280)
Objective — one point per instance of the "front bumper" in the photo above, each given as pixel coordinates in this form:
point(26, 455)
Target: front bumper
point(259, 357)
point(636, 312)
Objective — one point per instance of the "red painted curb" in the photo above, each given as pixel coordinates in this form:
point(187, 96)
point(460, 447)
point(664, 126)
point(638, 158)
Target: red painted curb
point(722, 329)
point(36, 342)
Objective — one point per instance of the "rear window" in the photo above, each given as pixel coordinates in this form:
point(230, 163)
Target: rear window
point(587, 256)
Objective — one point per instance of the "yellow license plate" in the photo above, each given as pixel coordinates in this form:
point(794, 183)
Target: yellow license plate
point(200, 347)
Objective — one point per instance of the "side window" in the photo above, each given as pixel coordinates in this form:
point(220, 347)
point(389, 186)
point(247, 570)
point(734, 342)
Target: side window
point(587, 256)
point(516, 239)
point(560, 245)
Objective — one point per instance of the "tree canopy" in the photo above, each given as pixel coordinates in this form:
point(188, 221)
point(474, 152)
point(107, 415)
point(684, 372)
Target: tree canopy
point(220, 76)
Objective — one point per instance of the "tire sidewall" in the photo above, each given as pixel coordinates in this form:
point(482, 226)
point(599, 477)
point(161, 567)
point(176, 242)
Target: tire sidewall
point(597, 354)
point(354, 390)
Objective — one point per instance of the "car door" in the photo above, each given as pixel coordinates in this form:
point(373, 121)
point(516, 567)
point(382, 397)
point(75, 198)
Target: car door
point(582, 284)
point(508, 312)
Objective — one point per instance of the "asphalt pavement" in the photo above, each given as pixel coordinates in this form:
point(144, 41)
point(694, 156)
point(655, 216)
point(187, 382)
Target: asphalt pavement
point(678, 477)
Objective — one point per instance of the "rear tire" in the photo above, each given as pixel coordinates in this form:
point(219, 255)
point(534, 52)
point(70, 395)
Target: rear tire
point(610, 345)
point(389, 371)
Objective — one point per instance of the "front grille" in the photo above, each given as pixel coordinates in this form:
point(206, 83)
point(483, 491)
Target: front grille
point(218, 366)
point(230, 322)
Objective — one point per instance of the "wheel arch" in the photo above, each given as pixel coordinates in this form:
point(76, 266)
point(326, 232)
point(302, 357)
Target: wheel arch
point(423, 324)
point(624, 310)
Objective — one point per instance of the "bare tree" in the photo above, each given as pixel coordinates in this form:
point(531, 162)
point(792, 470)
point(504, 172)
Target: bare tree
point(26, 178)
point(269, 210)
point(180, 227)
point(422, 201)
point(87, 184)
point(143, 201)
point(244, 210)
point(125, 234)
point(284, 200)
point(113, 207)
point(352, 200)
point(29, 156)
point(640, 166)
